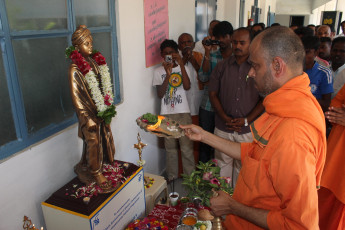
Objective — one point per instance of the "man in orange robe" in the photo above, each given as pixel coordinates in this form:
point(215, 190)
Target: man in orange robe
point(281, 168)
point(332, 192)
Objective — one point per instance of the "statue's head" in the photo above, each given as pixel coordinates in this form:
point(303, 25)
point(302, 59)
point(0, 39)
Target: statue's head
point(82, 40)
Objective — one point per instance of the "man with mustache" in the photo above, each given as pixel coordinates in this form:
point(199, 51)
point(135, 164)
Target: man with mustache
point(325, 31)
point(234, 98)
point(338, 63)
point(324, 51)
point(192, 61)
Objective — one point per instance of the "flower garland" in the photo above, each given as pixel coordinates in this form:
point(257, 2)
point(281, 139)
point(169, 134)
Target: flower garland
point(103, 102)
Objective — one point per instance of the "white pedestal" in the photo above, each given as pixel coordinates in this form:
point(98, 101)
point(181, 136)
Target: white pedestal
point(124, 205)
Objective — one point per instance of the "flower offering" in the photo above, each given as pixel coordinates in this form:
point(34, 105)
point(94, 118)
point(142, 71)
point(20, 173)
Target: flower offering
point(147, 223)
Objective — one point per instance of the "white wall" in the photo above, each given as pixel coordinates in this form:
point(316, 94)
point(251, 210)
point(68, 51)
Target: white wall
point(294, 7)
point(228, 10)
point(318, 3)
point(341, 7)
point(33, 175)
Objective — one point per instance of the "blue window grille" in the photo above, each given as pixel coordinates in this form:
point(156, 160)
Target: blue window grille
point(35, 101)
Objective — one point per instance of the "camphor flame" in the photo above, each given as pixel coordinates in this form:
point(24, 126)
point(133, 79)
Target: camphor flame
point(155, 126)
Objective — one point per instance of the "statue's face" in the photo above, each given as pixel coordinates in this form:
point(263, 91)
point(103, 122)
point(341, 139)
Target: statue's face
point(85, 48)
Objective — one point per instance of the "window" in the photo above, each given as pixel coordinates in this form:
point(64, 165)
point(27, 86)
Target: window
point(34, 92)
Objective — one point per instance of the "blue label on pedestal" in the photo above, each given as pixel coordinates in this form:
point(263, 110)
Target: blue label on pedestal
point(129, 202)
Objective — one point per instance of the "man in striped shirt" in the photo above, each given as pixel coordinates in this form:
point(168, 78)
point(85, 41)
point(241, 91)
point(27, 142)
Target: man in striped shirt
point(210, 60)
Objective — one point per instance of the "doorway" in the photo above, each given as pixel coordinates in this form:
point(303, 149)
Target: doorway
point(205, 12)
point(296, 21)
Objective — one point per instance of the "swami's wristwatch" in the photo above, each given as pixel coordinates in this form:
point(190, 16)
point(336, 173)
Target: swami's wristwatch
point(245, 121)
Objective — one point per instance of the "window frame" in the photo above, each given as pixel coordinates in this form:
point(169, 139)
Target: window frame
point(24, 139)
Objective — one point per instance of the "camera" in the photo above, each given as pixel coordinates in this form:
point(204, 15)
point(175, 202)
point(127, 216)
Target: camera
point(210, 42)
point(168, 58)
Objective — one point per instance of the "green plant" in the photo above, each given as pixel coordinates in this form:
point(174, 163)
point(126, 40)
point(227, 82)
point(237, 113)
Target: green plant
point(206, 178)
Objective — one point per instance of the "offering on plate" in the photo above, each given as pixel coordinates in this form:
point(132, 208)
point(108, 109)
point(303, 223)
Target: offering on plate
point(203, 225)
point(160, 125)
point(189, 219)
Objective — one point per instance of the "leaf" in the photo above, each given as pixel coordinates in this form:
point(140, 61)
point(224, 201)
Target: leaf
point(108, 114)
point(198, 187)
point(214, 185)
point(68, 51)
point(207, 203)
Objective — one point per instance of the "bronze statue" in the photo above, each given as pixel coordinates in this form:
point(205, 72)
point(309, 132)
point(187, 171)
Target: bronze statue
point(91, 91)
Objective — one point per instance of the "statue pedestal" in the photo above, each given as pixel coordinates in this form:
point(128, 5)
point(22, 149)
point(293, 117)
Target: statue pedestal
point(104, 211)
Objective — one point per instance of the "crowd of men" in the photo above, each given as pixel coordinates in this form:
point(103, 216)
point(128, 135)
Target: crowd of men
point(262, 99)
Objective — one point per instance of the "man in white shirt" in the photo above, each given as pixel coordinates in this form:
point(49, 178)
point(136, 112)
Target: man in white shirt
point(199, 47)
point(172, 81)
point(192, 61)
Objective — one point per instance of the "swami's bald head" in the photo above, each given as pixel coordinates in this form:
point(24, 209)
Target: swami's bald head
point(280, 41)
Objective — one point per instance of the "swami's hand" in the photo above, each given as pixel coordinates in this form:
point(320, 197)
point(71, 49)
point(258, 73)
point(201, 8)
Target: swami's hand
point(193, 132)
point(221, 204)
point(336, 115)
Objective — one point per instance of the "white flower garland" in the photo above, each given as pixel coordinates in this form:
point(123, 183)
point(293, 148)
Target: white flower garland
point(96, 93)
point(106, 82)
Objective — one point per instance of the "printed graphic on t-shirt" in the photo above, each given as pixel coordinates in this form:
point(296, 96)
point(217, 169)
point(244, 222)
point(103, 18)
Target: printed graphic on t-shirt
point(171, 96)
point(313, 88)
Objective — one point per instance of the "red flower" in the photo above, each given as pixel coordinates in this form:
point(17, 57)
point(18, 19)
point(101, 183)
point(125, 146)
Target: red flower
point(106, 100)
point(215, 161)
point(207, 176)
point(99, 58)
point(79, 60)
point(227, 179)
point(215, 181)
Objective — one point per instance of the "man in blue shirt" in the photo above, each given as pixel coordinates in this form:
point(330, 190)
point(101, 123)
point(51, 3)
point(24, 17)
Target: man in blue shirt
point(321, 82)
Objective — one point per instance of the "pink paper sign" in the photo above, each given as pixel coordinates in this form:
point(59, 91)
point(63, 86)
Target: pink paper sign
point(156, 29)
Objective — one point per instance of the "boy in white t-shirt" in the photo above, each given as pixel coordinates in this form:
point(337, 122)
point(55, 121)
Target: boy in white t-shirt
point(172, 80)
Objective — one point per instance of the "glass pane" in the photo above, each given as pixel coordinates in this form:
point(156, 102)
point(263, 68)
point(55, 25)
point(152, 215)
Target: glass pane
point(36, 14)
point(92, 13)
point(8, 132)
point(102, 43)
point(43, 77)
